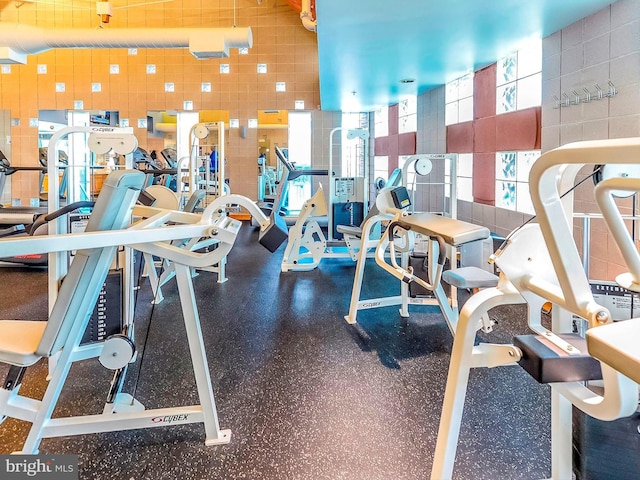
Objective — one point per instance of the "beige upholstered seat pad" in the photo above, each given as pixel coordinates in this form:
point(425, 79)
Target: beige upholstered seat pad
point(618, 345)
point(19, 340)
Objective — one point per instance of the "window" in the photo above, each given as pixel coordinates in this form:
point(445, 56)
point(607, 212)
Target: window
point(299, 143)
point(353, 154)
point(381, 125)
point(464, 181)
point(381, 168)
point(408, 115)
point(459, 100)
point(512, 180)
point(519, 79)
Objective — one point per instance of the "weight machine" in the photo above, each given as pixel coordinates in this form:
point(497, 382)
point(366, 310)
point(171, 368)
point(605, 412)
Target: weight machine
point(23, 343)
point(443, 236)
point(200, 174)
point(348, 183)
point(539, 263)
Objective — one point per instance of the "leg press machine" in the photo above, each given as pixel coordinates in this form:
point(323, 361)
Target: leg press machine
point(23, 343)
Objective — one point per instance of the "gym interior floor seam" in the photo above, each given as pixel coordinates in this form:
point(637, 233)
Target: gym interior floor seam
point(305, 395)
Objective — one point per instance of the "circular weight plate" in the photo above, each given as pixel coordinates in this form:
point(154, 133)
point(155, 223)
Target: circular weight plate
point(117, 351)
point(201, 132)
point(612, 170)
point(125, 144)
point(423, 166)
point(165, 197)
point(119, 143)
point(99, 143)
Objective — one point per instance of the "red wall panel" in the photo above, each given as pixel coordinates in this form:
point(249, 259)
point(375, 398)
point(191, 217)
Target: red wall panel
point(484, 178)
point(484, 92)
point(393, 151)
point(518, 130)
point(407, 143)
point(484, 135)
point(393, 119)
point(460, 138)
point(381, 147)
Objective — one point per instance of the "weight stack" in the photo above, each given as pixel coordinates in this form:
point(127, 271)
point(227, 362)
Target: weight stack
point(106, 318)
point(606, 450)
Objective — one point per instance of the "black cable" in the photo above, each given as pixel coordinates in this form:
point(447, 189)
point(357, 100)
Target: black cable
point(146, 336)
point(595, 172)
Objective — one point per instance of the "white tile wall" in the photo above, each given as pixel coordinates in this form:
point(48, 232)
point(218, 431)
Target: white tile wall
point(604, 46)
point(624, 11)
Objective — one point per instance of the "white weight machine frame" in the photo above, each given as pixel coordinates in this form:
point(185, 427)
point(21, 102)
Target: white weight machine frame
point(444, 236)
point(307, 243)
point(427, 164)
point(219, 209)
point(540, 264)
point(149, 236)
point(100, 140)
point(361, 177)
point(197, 134)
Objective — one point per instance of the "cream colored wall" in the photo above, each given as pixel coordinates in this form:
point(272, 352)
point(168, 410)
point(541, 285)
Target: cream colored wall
point(280, 41)
point(601, 47)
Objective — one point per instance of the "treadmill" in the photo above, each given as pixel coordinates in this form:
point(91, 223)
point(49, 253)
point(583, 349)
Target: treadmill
point(10, 216)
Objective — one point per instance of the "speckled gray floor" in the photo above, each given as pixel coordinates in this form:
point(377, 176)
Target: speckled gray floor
point(306, 395)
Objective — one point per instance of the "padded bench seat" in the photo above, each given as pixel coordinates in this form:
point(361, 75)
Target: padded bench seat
point(454, 232)
point(349, 230)
point(618, 345)
point(470, 278)
point(19, 340)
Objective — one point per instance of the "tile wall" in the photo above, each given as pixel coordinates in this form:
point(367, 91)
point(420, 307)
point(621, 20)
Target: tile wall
point(279, 41)
point(597, 49)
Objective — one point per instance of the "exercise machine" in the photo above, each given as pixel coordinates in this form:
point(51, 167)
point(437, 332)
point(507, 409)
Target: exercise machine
point(199, 173)
point(289, 174)
point(307, 242)
point(308, 245)
point(40, 227)
point(156, 173)
point(271, 237)
point(540, 263)
point(26, 342)
point(63, 162)
point(6, 169)
point(353, 234)
point(349, 182)
point(444, 235)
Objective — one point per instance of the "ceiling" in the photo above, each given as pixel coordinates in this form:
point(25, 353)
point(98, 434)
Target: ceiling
point(365, 47)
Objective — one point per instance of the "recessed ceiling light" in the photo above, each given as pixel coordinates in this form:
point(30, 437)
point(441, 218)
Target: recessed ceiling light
point(407, 80)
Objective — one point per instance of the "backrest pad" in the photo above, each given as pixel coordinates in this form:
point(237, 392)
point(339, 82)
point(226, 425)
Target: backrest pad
point(80, 288)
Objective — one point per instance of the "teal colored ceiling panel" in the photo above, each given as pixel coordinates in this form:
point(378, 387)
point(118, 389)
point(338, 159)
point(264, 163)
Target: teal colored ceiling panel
point(366, 47)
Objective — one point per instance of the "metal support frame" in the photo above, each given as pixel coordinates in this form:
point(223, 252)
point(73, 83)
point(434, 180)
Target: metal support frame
point(362, 177)
point(540, 264)
point(148, 236)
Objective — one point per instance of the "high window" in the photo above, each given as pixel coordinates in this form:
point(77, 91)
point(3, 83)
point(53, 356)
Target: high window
point(459, 100)
point(381, 119)
point(512, 180)
point(381, 167)
point(519, 79)
point(408, 115)
point(464, 181)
